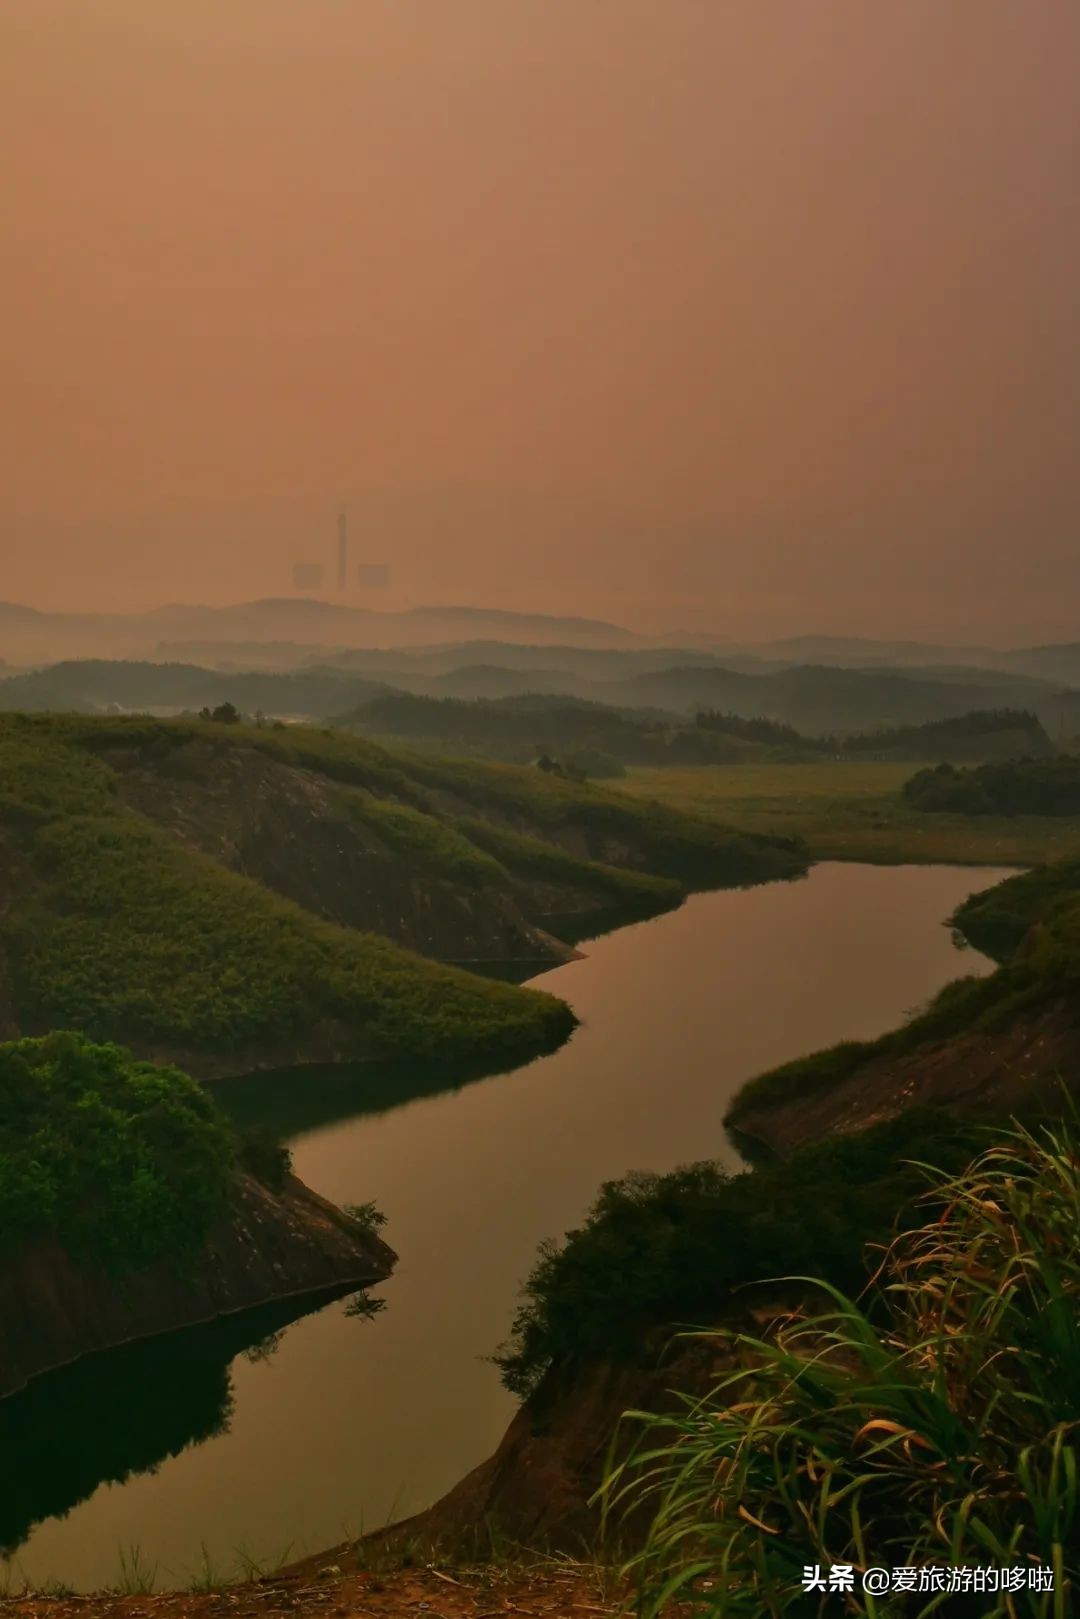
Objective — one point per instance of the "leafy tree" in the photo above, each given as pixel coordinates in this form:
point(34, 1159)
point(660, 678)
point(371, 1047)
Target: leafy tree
point(124, 1161)
point(1012, 787)
point(660, 1250)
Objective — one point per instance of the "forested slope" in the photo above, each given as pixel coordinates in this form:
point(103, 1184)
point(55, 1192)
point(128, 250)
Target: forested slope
point(236, 898)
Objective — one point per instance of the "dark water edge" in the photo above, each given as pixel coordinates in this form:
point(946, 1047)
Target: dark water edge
point(126, 1411)
point(293, 1101)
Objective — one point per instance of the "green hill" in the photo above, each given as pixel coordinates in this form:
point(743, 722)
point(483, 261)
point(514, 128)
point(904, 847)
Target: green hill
point(587, 737)
point(234, 898)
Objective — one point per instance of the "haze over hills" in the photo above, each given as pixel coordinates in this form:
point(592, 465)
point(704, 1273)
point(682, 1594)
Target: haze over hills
point(816, 700)
point(30, 636)
point(282, 632)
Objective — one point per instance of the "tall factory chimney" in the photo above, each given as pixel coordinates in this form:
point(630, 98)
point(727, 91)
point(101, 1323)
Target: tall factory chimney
point(342, 549)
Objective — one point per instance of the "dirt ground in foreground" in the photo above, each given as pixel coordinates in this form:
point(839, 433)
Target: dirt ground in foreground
point(545, 1592)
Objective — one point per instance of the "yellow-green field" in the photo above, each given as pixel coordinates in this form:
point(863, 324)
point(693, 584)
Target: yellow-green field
point(854, 811)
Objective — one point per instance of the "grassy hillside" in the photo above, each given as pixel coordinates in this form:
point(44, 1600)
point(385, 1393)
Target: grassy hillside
point(608, 826)
point(588, 821)
point(591, 737)
point(116, 928)
point(582, 735)
point(847, 810)
point(123, 919)
point(931, 1424)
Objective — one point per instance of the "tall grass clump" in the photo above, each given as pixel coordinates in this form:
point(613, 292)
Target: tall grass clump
point(933, 1423)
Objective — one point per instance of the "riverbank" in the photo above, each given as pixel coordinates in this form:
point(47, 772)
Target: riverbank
point(854, 811)
point(1000, 1046)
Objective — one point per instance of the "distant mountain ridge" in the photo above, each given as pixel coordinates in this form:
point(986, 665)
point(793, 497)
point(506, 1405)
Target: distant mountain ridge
point(816, 700)
point(309, 626)
point(32, 636)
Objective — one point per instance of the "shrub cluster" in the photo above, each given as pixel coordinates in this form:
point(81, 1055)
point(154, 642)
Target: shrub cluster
point(983, 730)
point(124, 1161)
point(935, 1425)
point(659, 1250)
point(1013, 787)
point(999, 919)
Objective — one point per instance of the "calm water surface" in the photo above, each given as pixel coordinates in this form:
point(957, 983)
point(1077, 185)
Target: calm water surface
point(336, 1424)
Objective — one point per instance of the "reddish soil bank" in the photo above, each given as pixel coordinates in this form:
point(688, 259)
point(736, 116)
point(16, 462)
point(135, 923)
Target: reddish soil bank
point(547, 1591)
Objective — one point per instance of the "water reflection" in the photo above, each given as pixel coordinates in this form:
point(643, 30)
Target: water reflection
point(293, 1101)
point(121, 1413)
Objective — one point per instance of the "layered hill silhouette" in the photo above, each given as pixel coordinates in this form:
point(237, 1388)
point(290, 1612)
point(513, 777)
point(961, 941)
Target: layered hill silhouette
point(814, 699)
point(33, 636)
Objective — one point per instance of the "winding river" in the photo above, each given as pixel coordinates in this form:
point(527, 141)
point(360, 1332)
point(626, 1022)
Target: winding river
point(260, 1438)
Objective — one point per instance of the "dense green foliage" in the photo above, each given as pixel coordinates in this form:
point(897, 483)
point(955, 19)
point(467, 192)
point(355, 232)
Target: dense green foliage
point(612, 827)
point(119, 930)
point(328, 752)
point(1015, 787)
point(998, 920)
point(773, 733)
point(660, 1250)
point(129, 932)
point(536, 860)
point(122, 930)
point(983, 733)
point(42, 779)
point(124, 1161)
point(934, 1426)
point(429, 843)
point(262, 1155)
point(590, 738)
point(646, 835)
point(592, 764)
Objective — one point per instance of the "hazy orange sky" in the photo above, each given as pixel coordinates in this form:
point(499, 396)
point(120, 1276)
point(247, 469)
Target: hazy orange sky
point(754, 315)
